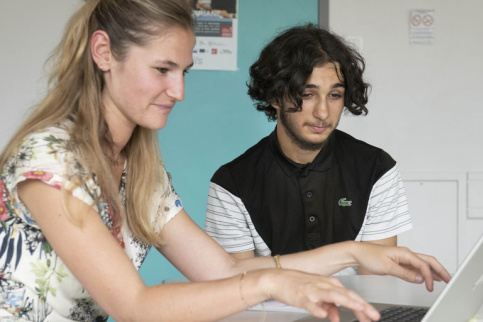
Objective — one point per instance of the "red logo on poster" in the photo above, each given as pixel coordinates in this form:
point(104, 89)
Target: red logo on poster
point(226, 31)
point(214, 51)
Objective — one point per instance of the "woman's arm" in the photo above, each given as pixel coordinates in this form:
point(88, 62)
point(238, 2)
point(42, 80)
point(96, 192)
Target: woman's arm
point(391, 241)
point(210, 261)
point(101, 266)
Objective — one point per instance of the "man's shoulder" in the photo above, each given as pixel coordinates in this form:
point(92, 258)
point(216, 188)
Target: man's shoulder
point(254, 154)
point(347, 141)
point(248, 164)
point(360, 151)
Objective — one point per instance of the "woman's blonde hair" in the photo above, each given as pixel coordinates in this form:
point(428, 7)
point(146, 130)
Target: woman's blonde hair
point(75, 86)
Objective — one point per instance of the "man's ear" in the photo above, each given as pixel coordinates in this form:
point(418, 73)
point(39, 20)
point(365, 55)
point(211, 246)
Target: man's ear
point(101, 50)
point(275, 105)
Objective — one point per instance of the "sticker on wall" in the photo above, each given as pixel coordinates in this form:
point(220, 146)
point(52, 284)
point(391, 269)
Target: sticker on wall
point(216, 34)
point(421, 26)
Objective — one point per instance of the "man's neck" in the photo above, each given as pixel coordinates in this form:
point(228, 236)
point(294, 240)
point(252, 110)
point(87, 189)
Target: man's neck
point(292, 150)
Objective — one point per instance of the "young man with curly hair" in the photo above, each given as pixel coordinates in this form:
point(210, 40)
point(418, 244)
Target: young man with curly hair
point(307, 184)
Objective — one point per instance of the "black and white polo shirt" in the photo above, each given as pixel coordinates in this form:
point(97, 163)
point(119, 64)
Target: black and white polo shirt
point(265, 202)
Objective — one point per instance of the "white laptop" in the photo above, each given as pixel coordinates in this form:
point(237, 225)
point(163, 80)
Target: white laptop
point(459, 301)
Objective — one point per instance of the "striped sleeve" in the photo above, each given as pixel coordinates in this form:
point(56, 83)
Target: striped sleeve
point(387, 212)
point(228, 222)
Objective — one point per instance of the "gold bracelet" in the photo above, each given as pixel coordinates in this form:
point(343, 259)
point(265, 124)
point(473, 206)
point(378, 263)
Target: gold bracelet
point(240, 288)
point(276, 258)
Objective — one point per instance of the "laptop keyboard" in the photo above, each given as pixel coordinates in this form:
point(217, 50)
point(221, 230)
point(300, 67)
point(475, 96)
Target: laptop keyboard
point(402, 314)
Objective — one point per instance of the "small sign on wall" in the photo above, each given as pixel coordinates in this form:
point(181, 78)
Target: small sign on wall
point(216, 34)
point(421, 26)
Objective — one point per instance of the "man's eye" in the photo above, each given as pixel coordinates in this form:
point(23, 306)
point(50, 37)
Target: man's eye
point(306, 95)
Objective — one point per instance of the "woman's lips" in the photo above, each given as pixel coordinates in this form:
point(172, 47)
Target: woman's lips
point(164, 107)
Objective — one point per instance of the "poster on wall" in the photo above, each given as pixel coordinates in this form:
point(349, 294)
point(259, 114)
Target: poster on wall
point(216, 34)
point(421, 30)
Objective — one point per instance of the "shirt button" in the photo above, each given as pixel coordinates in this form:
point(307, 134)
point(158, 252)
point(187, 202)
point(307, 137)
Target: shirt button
point(311, 218)
point(309, 194)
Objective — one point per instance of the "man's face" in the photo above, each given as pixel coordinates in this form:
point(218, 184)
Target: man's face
point(323, 102)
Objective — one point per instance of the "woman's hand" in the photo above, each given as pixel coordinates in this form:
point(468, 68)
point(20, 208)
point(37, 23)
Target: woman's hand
point(317, 294)
point(400, 262)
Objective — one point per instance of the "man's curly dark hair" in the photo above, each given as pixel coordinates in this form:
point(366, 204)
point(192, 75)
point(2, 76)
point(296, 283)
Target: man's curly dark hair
point(281, 72)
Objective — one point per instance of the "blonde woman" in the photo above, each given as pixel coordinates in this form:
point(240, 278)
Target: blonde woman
point(84, 193)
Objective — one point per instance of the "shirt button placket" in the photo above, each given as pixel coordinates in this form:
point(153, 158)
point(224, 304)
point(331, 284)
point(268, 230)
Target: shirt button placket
point(312, 219)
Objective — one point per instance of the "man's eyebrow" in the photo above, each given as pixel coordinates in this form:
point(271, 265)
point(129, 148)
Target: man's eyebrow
point(336, 85)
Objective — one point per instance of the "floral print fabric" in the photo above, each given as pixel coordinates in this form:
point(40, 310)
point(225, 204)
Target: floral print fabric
point(35, 285)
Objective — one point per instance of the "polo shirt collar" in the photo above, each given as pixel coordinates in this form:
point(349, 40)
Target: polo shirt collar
point(321, 162)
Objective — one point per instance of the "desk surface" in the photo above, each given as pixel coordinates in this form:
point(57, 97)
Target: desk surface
point(376, 289)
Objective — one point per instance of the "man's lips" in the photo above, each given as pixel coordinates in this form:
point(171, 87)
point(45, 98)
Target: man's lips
point(318, 128)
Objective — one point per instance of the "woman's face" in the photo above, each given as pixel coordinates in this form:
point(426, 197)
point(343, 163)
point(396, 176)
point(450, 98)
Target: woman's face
point(143, 88)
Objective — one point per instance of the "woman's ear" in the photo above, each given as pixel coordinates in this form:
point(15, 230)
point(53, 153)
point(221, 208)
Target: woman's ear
point(101, 50)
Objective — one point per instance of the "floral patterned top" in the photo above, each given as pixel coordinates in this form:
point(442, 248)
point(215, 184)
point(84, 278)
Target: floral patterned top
point(34, 283)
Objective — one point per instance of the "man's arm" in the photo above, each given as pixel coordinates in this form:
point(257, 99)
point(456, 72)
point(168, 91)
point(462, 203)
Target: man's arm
point(391, 241)
point(388, 212)
point(228, 222)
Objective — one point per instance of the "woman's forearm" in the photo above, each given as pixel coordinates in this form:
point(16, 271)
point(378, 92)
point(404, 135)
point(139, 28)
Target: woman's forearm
point(209, 301)
point(325, 260)
point(201, 301)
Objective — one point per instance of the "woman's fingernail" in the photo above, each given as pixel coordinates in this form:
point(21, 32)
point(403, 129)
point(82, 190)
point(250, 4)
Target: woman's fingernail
point(374, 314)
point(419, 279)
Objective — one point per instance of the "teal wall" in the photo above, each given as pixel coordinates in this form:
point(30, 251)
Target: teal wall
point(217, 121)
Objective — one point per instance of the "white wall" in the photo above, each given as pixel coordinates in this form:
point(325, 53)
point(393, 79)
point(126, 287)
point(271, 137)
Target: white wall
point(29, 31)
point(426, 107)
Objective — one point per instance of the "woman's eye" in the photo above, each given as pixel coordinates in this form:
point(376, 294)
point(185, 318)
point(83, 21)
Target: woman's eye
point(185, 72)
point(162, 70)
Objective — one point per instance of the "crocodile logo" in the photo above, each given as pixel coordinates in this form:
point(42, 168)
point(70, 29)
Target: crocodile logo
point(345, 203)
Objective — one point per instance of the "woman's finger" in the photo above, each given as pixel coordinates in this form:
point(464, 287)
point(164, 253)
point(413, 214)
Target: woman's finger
point(352, 301)
point(316, 309)
point(333, 312)
point(361, 317)
point(419, 270)
point(436, 267)
point(320, 296)
point(430, 269)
